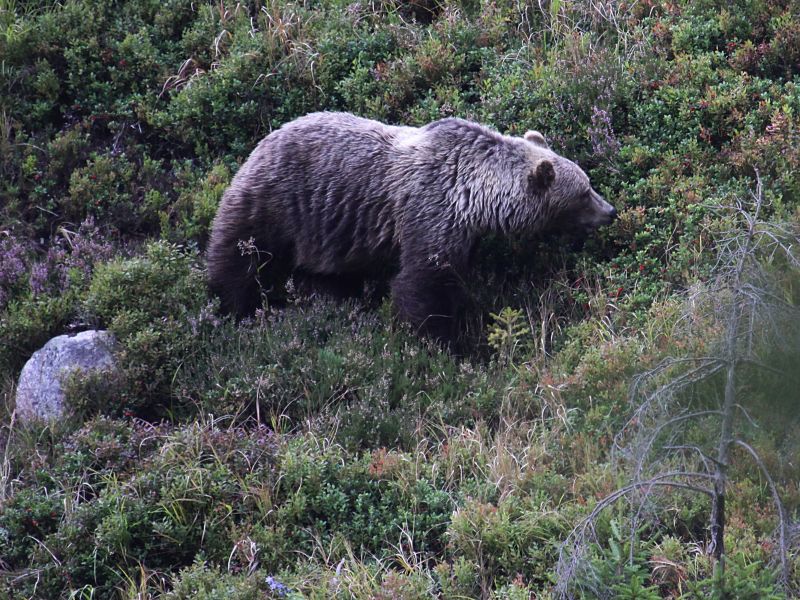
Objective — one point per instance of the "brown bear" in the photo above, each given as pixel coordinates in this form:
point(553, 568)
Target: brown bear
point(341, 198)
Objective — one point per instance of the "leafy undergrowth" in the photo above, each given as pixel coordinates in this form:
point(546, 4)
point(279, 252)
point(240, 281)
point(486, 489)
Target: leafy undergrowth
point(321, 450)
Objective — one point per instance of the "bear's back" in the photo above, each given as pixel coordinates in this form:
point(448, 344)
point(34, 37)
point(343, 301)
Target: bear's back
point(331, 185)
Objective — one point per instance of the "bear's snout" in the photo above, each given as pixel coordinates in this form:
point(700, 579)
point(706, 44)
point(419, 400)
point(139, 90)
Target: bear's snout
point(605, 213)
point(610, 215)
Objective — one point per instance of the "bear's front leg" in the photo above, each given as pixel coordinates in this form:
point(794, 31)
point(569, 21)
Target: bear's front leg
point(428, 299)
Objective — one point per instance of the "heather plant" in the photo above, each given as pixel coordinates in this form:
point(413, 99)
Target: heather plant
point(335, 368)
point(605, 145)
point(13, 266)
point(71, 260)
point(42, 295)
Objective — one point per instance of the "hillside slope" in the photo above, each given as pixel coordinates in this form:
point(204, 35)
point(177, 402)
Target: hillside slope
point(321, 450)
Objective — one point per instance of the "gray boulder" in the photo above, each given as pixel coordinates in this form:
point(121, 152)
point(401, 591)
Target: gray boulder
point(39, 391)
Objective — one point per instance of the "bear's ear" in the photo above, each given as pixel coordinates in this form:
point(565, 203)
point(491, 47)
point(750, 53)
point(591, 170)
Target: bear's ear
point(542, 177)
point(537, 138)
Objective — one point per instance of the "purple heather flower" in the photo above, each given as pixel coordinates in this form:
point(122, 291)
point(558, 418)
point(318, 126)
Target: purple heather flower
point(205, 316)
point(73, 254)
point(601, 133)
point(277, 587)
point(38, 278)
point(13, 265)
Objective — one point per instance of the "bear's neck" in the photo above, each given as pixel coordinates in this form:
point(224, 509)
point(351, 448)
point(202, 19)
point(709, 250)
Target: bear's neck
point(489, 197)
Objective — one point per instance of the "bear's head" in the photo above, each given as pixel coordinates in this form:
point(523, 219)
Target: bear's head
point(570, 204)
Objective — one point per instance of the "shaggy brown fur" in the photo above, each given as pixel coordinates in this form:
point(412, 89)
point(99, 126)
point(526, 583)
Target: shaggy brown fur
point(341, 197)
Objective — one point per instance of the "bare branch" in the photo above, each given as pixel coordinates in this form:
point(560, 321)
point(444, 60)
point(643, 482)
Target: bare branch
point(703, 456)
point(651, 440)
point(708, 366)
point(567, 566)
point(782, 518)
point(746, 414)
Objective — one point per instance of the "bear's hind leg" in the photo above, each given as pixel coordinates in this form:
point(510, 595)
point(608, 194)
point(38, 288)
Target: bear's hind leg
point(242, 271)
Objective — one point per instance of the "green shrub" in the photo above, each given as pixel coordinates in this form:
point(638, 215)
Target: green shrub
point(129, 294)
point(192, 213)
point(117, 496)
point(505, 540)
point(26, 324)
point(149, 303)
point(744, 578)
point(102, 189)
point(458, 579)
point(31, 515)
point(322, 496)
point(201, 582)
